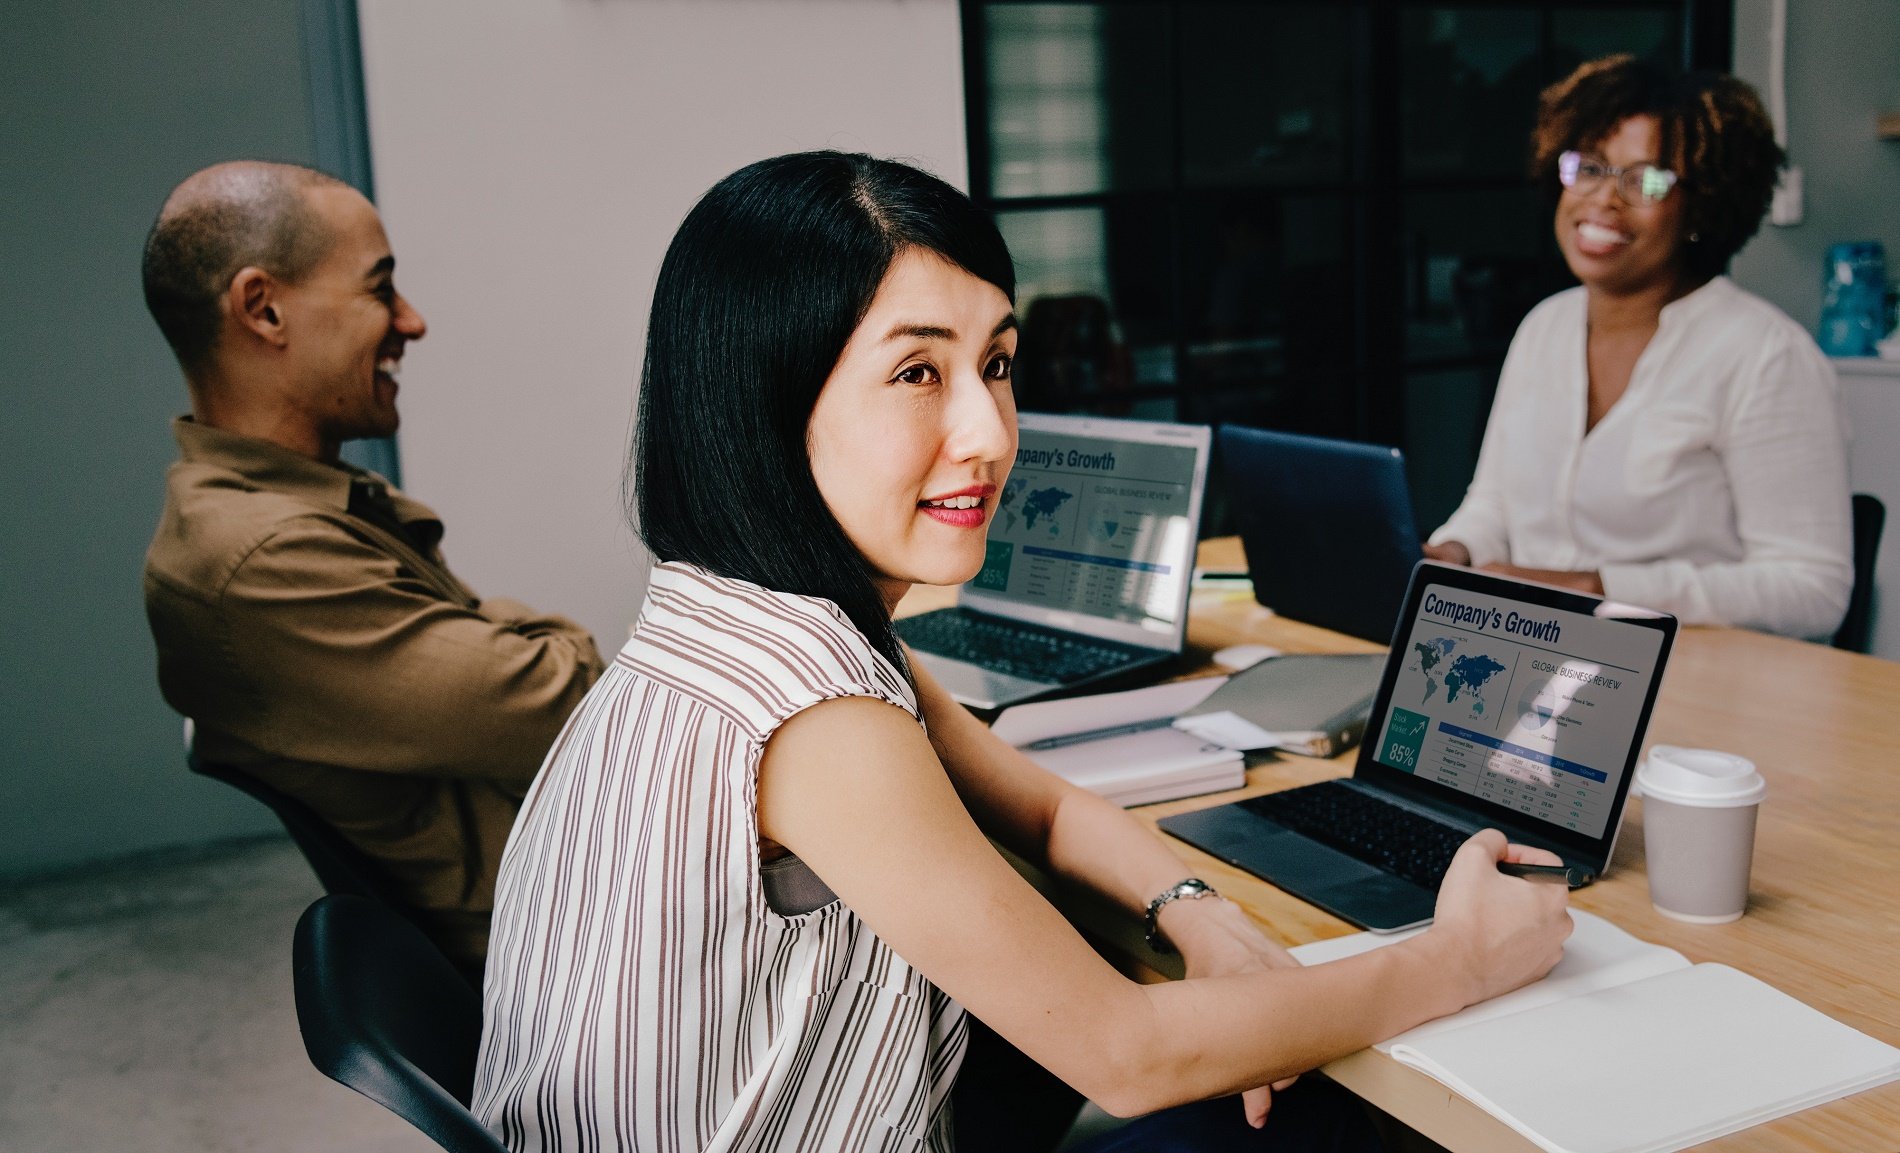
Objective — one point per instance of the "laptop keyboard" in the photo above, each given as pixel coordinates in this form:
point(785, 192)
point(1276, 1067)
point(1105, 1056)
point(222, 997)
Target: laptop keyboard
point(1014, 648)
point(1394, 839)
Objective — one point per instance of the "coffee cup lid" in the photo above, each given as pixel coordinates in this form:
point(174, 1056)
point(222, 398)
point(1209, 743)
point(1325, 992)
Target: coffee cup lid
point(1705, 777)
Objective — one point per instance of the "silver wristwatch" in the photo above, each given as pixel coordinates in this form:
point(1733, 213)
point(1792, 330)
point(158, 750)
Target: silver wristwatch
point(1192, 889)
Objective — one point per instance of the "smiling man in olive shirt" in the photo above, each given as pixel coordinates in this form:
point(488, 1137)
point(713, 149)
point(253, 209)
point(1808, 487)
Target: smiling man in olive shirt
point(304, 617)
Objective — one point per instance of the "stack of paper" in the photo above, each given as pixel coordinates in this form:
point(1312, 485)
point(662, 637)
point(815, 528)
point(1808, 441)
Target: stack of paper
point(1121, 745)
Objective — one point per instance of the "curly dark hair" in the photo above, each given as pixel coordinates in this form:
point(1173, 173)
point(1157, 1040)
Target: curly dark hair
point(1715, 135)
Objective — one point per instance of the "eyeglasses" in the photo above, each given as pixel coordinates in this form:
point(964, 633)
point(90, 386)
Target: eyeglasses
point(1639, 185)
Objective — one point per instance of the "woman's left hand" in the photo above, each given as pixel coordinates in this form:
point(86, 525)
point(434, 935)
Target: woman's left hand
point(1224, 940)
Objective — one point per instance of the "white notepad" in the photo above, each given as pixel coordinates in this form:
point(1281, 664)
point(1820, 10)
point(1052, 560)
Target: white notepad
point(1121, 746)
point(1625, 1047)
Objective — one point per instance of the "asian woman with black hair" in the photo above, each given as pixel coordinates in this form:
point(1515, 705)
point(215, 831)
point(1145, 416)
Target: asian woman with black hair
point(750, 896)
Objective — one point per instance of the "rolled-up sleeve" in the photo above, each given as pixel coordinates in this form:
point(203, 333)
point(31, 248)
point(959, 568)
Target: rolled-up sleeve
point(358, 661)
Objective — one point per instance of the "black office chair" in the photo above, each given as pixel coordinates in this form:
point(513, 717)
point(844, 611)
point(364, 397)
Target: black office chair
point(385, 1013)
point(1870, 517)
point(340, 866)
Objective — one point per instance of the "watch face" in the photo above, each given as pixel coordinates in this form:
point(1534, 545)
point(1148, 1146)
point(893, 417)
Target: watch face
point(1192, 887)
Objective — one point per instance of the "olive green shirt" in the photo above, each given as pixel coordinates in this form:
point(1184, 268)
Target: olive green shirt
point(307, 624)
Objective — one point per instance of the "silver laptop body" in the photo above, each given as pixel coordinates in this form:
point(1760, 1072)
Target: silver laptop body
point(1504, 704)
point(1092, 547)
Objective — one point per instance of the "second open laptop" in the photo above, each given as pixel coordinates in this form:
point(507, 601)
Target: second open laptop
point(1327, 526)
point(1504, 704)
point(1088, 564)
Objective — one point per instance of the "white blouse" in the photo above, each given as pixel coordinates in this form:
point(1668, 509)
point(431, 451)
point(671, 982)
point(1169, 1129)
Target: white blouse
point(644, 991)
point(1715, 488)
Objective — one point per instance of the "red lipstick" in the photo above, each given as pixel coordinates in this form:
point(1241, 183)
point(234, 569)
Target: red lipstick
point(972, 517)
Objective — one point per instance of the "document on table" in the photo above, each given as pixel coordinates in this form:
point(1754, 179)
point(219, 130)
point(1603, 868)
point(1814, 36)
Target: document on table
point(1625, 1047)
point(1121, 746)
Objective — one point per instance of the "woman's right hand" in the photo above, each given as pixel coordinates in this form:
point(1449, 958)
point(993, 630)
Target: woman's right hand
point(1501, 932)
point(1450, 552)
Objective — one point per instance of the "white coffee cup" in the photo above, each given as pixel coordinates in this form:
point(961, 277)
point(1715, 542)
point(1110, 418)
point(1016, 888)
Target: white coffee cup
point(1699, 808)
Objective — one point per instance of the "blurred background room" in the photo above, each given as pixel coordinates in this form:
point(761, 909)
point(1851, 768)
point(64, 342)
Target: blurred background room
point(1308, 216)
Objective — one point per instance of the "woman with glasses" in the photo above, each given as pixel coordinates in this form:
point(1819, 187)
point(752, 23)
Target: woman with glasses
point(1660, 436)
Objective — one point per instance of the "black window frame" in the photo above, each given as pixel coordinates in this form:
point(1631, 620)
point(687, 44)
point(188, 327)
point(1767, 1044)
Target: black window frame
point(1376, 366)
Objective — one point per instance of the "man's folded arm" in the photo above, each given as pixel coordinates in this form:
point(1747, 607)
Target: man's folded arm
point(355, 660)
point(528, 620)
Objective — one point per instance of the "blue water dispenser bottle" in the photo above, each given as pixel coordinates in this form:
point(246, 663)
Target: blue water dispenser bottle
point(1853, 298)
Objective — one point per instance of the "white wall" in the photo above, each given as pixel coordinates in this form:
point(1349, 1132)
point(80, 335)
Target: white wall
point(532, 160)
point(1843, 71)
point(1870, 393)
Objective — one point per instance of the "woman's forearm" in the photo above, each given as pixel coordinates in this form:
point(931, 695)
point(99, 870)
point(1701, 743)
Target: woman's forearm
point(1223, 1035)
point(1249, 1018)
point(1095, 843)
point(1069, 831)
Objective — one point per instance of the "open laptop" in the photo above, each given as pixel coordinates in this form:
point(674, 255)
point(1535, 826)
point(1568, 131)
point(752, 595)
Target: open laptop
point(1088, 565)
point(1327, 526)
point(1504, 704)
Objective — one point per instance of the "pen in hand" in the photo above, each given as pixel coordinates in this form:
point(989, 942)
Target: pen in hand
point(1567, 874)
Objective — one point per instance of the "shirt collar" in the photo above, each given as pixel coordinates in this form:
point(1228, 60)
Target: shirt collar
point(278, 469)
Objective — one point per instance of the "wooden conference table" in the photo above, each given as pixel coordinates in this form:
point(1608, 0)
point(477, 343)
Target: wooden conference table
point(1823, 921)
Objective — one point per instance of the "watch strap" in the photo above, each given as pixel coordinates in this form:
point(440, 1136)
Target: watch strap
point(1192, 889)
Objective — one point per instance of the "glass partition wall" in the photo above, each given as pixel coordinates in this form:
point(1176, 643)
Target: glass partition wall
point(1305, 216)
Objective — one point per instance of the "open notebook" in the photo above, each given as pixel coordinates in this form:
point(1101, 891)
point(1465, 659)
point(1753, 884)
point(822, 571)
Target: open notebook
point(1625, 1047)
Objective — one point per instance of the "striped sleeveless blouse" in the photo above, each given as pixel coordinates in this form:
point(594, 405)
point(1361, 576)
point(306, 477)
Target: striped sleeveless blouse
point(641, 992)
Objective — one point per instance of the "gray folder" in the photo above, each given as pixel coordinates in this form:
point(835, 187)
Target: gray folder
point(1315, 705)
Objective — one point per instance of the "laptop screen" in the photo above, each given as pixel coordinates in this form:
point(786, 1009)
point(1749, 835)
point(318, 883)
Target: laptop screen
point(1303, 565)
point(1530, 707)
point(1098, 528)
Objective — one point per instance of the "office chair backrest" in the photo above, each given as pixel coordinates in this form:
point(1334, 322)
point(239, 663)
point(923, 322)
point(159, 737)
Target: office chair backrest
point(1068, 351)
point(384, 1012)
point(340, 866)
point(1870, 517)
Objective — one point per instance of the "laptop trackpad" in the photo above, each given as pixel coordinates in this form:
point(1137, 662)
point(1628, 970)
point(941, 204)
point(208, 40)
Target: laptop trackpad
point(1268, 850)
point(1342, 885)
point(978, 687)
point(1294, 862)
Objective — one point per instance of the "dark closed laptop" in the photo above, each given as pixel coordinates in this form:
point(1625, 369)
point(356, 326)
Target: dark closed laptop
point(1504, 704)
point(1327, 526)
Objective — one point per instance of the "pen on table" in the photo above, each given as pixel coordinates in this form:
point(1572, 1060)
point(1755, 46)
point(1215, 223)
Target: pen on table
point(1223, 584)
point(1567, 874)
point(1102, 734)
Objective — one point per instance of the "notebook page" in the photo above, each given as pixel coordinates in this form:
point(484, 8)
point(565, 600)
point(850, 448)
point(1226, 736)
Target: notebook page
point(1597, 956)
point(1654, 1065)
